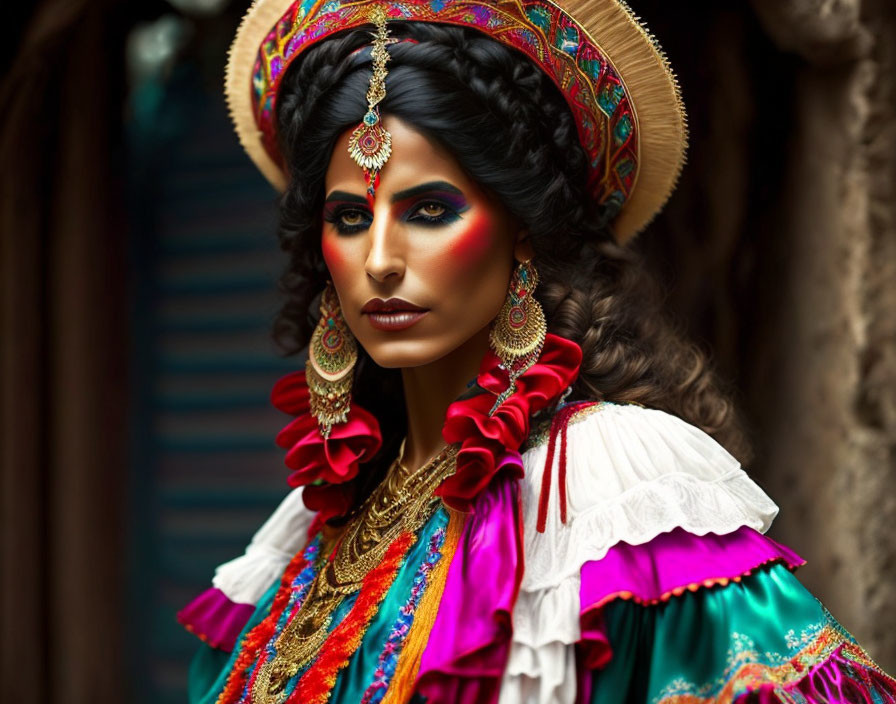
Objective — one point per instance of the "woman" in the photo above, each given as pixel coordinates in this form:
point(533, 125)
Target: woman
point(511, 479)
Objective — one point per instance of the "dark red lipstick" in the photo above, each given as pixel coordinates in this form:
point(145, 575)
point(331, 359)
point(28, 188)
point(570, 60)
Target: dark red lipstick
point(392, 314)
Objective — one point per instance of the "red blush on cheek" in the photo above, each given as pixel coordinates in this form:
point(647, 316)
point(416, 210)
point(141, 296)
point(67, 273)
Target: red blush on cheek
point(333, 255)
point(474, 242)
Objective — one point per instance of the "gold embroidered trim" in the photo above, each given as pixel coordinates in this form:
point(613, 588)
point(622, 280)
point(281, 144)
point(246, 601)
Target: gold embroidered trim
point(752, 675)
point(542, 431)
point(402, 503)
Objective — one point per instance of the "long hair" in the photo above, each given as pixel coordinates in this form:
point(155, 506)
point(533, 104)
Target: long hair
point(510, 129)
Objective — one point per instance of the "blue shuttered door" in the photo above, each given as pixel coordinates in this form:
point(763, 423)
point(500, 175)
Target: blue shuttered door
point(205, 470)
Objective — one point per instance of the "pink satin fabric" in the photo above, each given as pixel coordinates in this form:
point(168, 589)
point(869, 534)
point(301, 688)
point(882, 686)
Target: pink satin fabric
point(468, 646)
point(667, 565)
point(215, 619)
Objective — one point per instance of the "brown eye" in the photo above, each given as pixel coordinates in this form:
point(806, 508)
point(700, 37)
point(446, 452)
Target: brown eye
point(432, 210)
point(351, 218)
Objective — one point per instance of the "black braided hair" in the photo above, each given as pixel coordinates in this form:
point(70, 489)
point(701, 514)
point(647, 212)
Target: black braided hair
point(510, 129)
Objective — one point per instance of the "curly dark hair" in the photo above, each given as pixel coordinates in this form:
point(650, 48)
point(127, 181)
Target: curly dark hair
point(513, 133)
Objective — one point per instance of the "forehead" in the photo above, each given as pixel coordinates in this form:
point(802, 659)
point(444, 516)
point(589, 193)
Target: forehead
point(415, 158)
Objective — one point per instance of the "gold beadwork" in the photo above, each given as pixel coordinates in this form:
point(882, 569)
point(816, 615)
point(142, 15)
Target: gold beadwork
point(332, 355)
point(402, 503)
point(519, 331)
point(371, 144)
point(541, 431)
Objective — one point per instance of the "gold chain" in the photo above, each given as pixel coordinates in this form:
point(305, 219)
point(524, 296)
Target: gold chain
point(403, 502)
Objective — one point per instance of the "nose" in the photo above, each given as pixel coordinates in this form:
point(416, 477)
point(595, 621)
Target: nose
point(385, 258)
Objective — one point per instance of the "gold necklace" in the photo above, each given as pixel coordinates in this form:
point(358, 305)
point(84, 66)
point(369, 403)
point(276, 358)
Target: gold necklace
point(402, 503)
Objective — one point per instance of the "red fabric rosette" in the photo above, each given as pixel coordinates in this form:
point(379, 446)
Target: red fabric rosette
point(483, 438)
point(323, 466)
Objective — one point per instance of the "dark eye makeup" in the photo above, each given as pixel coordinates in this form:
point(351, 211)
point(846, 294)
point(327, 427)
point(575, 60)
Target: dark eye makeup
point(436, 209)
point(428, 205)
point(348, 218)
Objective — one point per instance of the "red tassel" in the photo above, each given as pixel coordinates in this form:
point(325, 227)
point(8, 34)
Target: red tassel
point(561, 475)
point(372, 177)
point(559, 427)
point(546, 477)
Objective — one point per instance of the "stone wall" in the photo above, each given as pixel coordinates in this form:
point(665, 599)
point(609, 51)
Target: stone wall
point(830, 413)
point(779, 253)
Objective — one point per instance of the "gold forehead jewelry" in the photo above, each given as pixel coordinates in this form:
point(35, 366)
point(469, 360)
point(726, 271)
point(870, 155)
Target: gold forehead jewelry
point(371, 144)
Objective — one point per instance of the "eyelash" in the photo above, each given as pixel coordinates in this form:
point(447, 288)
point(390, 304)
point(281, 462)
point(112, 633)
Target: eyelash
point(335, 216)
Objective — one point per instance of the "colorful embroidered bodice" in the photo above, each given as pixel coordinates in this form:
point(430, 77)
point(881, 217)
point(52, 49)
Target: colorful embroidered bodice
point(654, 585)
point(376, 635)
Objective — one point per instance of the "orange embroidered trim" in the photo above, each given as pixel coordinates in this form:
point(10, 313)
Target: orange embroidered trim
point(255, 640)
point(691, 587)
point(199, 634)
point(401, 688)
point(855, 653)
point(315, 685)
point(752, 675)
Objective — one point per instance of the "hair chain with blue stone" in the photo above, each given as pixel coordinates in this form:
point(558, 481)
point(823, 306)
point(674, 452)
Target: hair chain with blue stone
point(371, 144)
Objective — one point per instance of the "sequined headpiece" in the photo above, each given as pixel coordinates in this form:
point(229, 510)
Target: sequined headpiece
point(613, 74)
point(371, 144)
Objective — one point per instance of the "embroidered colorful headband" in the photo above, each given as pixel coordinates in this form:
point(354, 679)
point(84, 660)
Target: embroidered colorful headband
point(612, 72)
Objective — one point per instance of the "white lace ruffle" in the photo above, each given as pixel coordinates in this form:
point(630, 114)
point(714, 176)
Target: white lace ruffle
point(544, 674)
point(245, 579)
point(632, 474)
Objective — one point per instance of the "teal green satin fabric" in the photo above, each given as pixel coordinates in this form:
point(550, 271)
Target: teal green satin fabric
point(210, 668)
point(358, 675)
point(206, 667)
point(692, 644)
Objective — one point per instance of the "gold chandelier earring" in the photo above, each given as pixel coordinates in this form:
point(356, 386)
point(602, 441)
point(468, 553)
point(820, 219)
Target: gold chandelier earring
point(518, 332)
point(332, 355)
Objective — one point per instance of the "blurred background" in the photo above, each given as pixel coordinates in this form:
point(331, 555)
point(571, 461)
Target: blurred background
point(138, 285)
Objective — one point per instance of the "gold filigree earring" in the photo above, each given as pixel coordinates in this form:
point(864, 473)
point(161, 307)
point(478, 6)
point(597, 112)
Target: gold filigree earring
point(518, 332)
point(332, 355)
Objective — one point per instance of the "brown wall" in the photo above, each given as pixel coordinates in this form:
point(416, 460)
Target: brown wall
point(779, 251)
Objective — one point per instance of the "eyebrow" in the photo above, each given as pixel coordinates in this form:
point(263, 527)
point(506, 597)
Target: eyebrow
point(429, 187)
point(345, 196)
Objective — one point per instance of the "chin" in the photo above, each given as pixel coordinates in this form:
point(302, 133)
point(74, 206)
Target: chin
point(406, 354)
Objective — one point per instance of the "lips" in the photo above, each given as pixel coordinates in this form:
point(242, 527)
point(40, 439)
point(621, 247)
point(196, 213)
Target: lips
point(392, 305)
point(392, 314)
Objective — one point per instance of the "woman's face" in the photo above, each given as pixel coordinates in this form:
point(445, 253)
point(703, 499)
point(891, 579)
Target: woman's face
point(424, 270)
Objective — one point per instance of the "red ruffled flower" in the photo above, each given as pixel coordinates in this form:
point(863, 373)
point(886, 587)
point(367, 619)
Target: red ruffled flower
point(323, 466)
point(483, 438)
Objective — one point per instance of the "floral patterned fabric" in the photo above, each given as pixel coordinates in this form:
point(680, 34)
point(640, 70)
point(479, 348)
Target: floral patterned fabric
point(761, 639)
